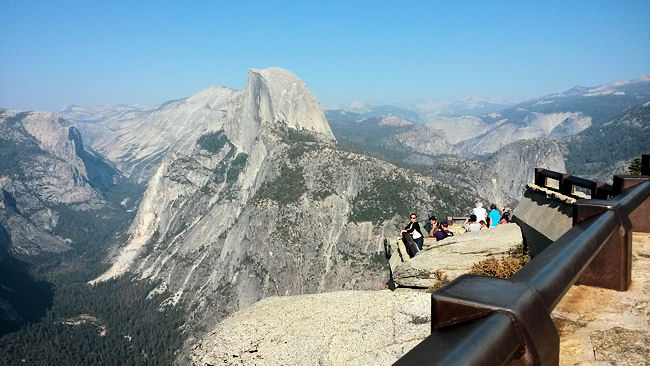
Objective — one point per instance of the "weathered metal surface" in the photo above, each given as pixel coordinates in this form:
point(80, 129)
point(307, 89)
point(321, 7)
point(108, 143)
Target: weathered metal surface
point(612, 266)
point(470, 296)
point(491, 340)
point(567, 184)
point(640, 216)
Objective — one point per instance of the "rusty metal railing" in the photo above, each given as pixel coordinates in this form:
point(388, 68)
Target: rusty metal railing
point(480, 320)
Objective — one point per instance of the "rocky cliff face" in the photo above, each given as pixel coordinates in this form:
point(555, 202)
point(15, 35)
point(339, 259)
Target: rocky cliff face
point(46, 179)
point(512, 167)
point(268, 205)
point(533, 125)
point(503, 177)
point(457, 129)
point(426, 140)
point(44, 166)
point(136, 142)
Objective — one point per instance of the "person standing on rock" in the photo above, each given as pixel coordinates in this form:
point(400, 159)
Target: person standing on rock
point(413, 228)
point(480, 212)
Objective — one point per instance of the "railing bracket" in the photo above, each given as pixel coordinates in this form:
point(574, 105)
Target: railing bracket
point(471, 296)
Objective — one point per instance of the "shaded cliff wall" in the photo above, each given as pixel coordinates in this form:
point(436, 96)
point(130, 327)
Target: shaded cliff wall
point(543, 215)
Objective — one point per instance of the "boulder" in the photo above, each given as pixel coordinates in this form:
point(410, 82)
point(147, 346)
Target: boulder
point(608, 327)
point(453, 255)
point(336, 328)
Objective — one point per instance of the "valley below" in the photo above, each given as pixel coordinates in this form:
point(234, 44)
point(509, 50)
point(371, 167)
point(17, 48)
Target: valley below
point(128, 234)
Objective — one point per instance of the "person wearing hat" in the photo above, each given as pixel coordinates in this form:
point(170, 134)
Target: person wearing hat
point(432, 226)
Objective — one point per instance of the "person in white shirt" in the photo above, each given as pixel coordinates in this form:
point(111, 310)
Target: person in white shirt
point(471, 224)
point(480, 212)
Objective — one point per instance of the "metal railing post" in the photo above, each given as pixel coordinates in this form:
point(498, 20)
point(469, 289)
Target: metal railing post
point(540, 179)
point(640, 217)
point(612, 266)
point(565, 185)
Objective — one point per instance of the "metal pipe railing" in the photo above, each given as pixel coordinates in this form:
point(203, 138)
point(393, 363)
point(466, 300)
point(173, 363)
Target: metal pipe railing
point(480, 320)
point(448, 346)
point(557, 268)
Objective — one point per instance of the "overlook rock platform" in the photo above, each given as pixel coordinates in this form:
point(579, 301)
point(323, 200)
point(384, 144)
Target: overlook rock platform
point(336, 328)
point(597, 326)
point(452, 255)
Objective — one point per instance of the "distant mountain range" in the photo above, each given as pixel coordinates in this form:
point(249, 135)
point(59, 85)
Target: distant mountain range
point(419, 111)
point(554, 115)
point(549, 132)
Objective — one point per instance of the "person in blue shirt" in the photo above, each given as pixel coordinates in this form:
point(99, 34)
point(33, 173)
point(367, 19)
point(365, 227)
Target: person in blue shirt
point(494, 216)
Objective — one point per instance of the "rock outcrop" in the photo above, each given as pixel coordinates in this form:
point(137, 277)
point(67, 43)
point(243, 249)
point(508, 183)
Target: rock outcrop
point(453, 255)
point(602, 326)
point(426, 140)
point(511, 168)
point(137, 142)
point(457, 129)
point(503, 177)
point(533, 125)
point(337, 328)
point(43, 166)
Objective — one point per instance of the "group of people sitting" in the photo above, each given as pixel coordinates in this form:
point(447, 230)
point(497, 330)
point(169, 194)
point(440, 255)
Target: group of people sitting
point(480, 219)
point(433, 229)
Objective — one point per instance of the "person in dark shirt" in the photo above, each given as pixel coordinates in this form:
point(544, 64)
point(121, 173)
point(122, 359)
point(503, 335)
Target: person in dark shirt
point(432, 226)
point(505, 218)
point(443, 232)
point(413, 228)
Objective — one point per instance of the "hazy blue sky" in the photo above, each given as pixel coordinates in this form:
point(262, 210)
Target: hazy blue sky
point(54, 53)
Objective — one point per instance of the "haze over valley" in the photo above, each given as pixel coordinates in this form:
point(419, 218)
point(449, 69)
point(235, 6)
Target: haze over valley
point(258, 180)
point(164, 168)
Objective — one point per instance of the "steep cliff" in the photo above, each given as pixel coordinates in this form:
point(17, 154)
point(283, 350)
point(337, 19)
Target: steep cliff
point(269, 205)
point(136, 142)
point(51, 190)
point(532, 125)
point(503, 177)
point(44, 166)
